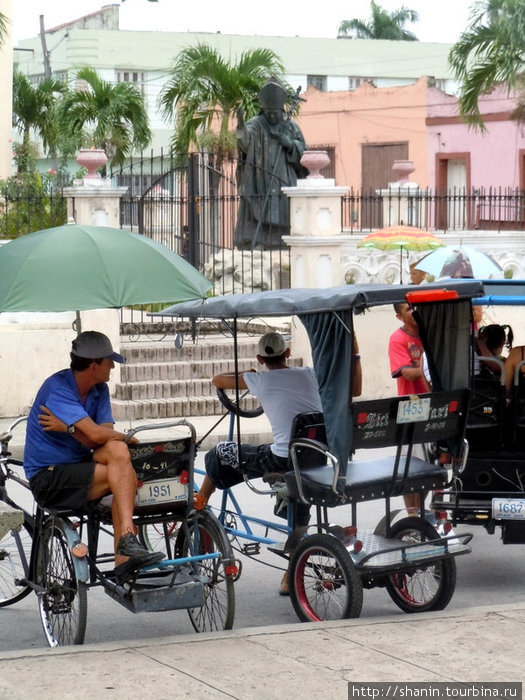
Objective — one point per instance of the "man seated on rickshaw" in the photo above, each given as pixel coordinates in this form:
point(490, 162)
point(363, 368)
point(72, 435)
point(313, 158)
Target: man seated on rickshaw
point(74, 456)
point(284, 392)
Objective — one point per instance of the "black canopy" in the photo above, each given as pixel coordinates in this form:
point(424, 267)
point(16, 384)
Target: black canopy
point(327, 315)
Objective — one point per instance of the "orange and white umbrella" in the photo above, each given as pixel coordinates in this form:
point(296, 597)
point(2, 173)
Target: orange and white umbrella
point(401, 238)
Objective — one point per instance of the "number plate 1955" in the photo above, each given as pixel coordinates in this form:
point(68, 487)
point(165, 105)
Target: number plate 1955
point(413, 410)
point(162, 491)
point(508, 508)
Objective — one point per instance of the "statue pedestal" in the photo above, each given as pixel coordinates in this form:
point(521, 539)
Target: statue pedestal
point(315, 243)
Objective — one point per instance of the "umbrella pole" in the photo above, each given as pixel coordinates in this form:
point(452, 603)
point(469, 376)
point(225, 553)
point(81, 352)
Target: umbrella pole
point(401, 265)
point(78, 323)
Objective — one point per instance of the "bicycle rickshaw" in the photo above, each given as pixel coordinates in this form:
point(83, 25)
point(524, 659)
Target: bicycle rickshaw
point(488, 489)
point(45, 552)
point(328, 565)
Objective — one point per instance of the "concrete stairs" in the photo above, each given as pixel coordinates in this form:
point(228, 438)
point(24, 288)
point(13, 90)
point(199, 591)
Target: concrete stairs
point(162, 381)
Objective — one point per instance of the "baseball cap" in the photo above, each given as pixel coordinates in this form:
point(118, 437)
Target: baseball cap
point(93, 346)
point(271, 345)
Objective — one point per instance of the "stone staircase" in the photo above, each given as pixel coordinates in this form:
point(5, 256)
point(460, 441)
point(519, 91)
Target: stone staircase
point(162, 381)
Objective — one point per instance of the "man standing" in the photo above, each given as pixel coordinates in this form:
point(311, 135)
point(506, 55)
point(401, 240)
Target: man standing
point(270, 149)
point(73, 454)
point(405, 353)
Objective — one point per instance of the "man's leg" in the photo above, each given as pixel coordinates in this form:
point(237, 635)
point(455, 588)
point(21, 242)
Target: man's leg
point(114, 472)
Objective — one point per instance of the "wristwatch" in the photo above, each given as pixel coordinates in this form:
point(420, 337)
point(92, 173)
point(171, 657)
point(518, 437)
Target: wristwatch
point(71, 429)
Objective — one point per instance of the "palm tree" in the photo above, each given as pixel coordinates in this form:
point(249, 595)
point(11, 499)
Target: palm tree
point(34, 109)
point(490, 51)
point(3, 28)
point(381, 25)
point(203, 87)
point(114, 116)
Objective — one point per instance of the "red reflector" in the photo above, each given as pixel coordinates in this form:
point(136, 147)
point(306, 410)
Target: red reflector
point(311, 433)
point(231, 570)
point(139, 483)
point(453, 407)
point(447, 527)
point(358, 546)
point(158, 448)
point(361, 417)
point(431, 295)
point(350, 530)
point(184, 477)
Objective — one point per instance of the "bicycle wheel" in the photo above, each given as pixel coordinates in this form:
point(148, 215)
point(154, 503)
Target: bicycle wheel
point(203, 534)
point(63, 603)
point(248, 407)
point(15, 550)
point(324, 582)
point(429, 587)
point(159, 537)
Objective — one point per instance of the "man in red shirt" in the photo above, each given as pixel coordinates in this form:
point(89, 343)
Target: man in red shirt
point(405, 352)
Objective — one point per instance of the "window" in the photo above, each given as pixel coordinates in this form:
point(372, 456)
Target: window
point(316, 81)
point(137, 78)
point(354, 83)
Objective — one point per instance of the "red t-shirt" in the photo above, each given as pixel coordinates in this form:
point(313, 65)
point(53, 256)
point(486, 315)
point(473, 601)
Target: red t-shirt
point(405, 350)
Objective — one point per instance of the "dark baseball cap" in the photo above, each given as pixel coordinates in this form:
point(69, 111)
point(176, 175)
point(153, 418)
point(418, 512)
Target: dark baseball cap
point(93, 345)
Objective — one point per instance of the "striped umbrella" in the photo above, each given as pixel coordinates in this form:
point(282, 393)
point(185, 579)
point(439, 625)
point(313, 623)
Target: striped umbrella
point(401, 238)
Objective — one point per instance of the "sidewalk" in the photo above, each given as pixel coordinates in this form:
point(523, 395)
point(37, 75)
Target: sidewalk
point(293, 661)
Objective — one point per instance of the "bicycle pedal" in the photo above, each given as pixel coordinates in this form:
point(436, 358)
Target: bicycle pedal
point(251, 548)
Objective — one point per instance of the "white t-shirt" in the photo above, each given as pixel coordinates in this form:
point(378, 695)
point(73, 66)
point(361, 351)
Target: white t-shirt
point(283, 394)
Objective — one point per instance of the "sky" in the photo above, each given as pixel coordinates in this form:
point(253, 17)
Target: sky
point(441, 21)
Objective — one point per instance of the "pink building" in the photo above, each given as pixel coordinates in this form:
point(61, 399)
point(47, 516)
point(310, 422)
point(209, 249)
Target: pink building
point(368, 128)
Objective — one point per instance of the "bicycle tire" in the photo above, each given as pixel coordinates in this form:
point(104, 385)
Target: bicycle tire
point(203, 534)
point(428, 588)
point(12, 566)
point(230, 405)
point(63, 602)
point(324, 583)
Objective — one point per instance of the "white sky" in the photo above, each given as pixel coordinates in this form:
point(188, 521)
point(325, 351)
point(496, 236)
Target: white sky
point(440, 20)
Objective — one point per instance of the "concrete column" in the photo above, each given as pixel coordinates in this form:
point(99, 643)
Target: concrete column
point(315, 242)
point(95, 203)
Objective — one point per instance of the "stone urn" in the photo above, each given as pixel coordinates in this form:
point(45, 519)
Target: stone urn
point(92, 159)
point(403, 168)
point(315, 161)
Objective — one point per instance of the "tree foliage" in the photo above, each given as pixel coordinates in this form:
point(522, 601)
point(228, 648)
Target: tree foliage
point(204, 87)
point(381, 25)
point(490, 51)
point(111, 117)
point(35, 109)
point(3, 28)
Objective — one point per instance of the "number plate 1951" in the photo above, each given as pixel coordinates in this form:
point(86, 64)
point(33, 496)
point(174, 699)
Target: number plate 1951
point(413, 410)
point(161, 491)
point(508, 508)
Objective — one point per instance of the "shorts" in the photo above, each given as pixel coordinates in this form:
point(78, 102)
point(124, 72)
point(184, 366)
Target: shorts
point(63, 485)
point(222, 466)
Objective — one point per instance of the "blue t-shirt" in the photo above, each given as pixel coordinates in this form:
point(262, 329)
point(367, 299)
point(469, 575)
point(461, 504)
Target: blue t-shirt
point(59, 393)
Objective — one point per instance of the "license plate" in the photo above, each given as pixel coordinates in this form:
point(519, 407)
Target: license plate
point(413, 410)
point(508, 508)
point(161, 491)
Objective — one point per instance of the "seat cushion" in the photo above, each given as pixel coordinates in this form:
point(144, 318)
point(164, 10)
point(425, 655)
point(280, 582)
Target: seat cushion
point(366, 480)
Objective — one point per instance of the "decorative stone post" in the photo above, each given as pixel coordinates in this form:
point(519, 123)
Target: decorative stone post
point(403, 201)
point(96, 202)
point(315, 239)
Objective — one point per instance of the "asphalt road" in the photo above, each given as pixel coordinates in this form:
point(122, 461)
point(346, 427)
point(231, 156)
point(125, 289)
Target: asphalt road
point(492, 574)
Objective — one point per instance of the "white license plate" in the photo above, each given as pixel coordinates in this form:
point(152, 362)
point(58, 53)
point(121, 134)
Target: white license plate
point(508, 508)
point(161, 491)
point(413, 410)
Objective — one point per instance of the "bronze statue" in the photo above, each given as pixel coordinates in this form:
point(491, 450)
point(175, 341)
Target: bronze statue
point(270, 149)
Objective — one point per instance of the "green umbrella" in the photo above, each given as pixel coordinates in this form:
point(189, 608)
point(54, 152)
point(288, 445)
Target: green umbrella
point(75, 267)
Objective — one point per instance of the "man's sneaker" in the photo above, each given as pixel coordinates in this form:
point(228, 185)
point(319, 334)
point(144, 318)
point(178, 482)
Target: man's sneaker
point(129, 546)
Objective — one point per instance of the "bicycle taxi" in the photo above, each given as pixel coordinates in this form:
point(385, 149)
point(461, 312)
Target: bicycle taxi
point(45, 550)
point(330, 565)
point(488, 489)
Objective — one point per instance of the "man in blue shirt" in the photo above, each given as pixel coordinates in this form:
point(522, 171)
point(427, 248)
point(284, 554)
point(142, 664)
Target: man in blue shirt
point(73, 454)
